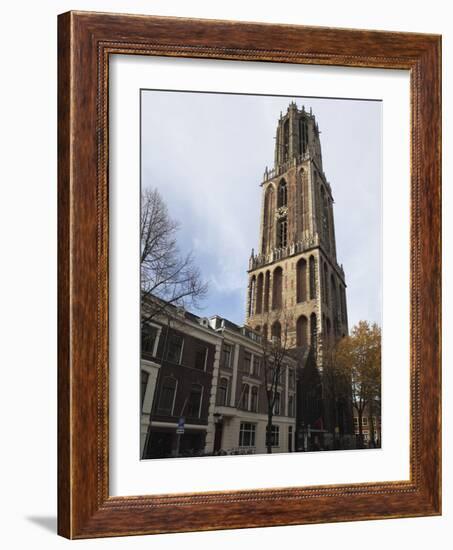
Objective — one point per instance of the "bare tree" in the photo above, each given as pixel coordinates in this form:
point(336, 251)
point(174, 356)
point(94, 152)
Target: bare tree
point(274, 353)
point(167, 277)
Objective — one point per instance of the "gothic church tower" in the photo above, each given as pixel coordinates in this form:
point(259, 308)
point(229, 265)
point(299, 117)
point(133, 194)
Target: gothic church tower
point(294, 278)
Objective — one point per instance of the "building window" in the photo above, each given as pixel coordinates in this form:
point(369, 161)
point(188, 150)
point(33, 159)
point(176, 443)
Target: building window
point(227, 352)
point(276, 331)
point(277, 288)
point(252, 297)
point(301, 280)
point(313, 331)
point(201, 355)
point(325, 218)
point(326, 284)
point(301, 331)
point(282, 233)
point(259, 294)
point(247, 362)
point(268, 218)
point(291, 405)
point(333, 294)
point(303, 136)
point(256, 366)
point(149, 338)
point(267, 284)
point(286, 140)
point(343, 305)
point(274, 436)
point(167, 396)
point(277, 403)
point(365, 421)
point(312, 278)
point(194, 401)
point(282, 194)
point(356, 421)
point(174, 351)
point(247, 432)
point(222, 392)
point(254, 402)
point(144, 377)
point(245, 397)
point(291, 378)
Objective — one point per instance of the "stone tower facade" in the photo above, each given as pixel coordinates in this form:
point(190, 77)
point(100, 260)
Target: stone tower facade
point(296, 288)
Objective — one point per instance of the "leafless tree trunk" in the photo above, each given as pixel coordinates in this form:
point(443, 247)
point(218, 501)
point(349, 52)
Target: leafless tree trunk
point(275, 351)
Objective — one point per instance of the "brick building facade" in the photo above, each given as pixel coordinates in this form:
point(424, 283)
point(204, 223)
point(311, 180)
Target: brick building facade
point(209, 372)
point(179, 360)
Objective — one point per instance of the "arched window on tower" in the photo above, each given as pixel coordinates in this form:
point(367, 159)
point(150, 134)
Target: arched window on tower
point(259, 294)
point(286, 140)
point(282, 194)
point(267, 219)
point(252, 290)
point(277, 288)
point(301, 331)
point(343, 304)
point(312, 278)
point(302, 199)
point(334, 297)
point(326, 284)
point(267, 284)
point(325, 218)
point(313, 331)
point(301, 279)
point(303, 136)
point(282, 233)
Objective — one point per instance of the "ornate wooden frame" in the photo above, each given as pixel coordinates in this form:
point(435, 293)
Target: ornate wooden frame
point(85, 41)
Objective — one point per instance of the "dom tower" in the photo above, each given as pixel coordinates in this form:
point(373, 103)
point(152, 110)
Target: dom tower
point(296, 288)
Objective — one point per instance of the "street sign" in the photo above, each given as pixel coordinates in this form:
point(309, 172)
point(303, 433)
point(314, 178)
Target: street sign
point(180, 428)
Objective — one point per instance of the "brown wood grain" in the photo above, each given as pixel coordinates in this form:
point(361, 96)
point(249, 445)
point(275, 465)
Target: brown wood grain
point(85, 42)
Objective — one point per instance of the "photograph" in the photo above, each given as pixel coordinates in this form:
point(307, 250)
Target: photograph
point(261, 274)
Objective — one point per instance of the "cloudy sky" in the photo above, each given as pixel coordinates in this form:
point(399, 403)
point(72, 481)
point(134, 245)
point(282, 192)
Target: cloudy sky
point(206, 153)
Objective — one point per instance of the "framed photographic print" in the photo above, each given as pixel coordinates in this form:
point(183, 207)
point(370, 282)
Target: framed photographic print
point(249, 275)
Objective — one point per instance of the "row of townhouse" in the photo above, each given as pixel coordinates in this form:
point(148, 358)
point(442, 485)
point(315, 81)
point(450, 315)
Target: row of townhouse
point(203, 390)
